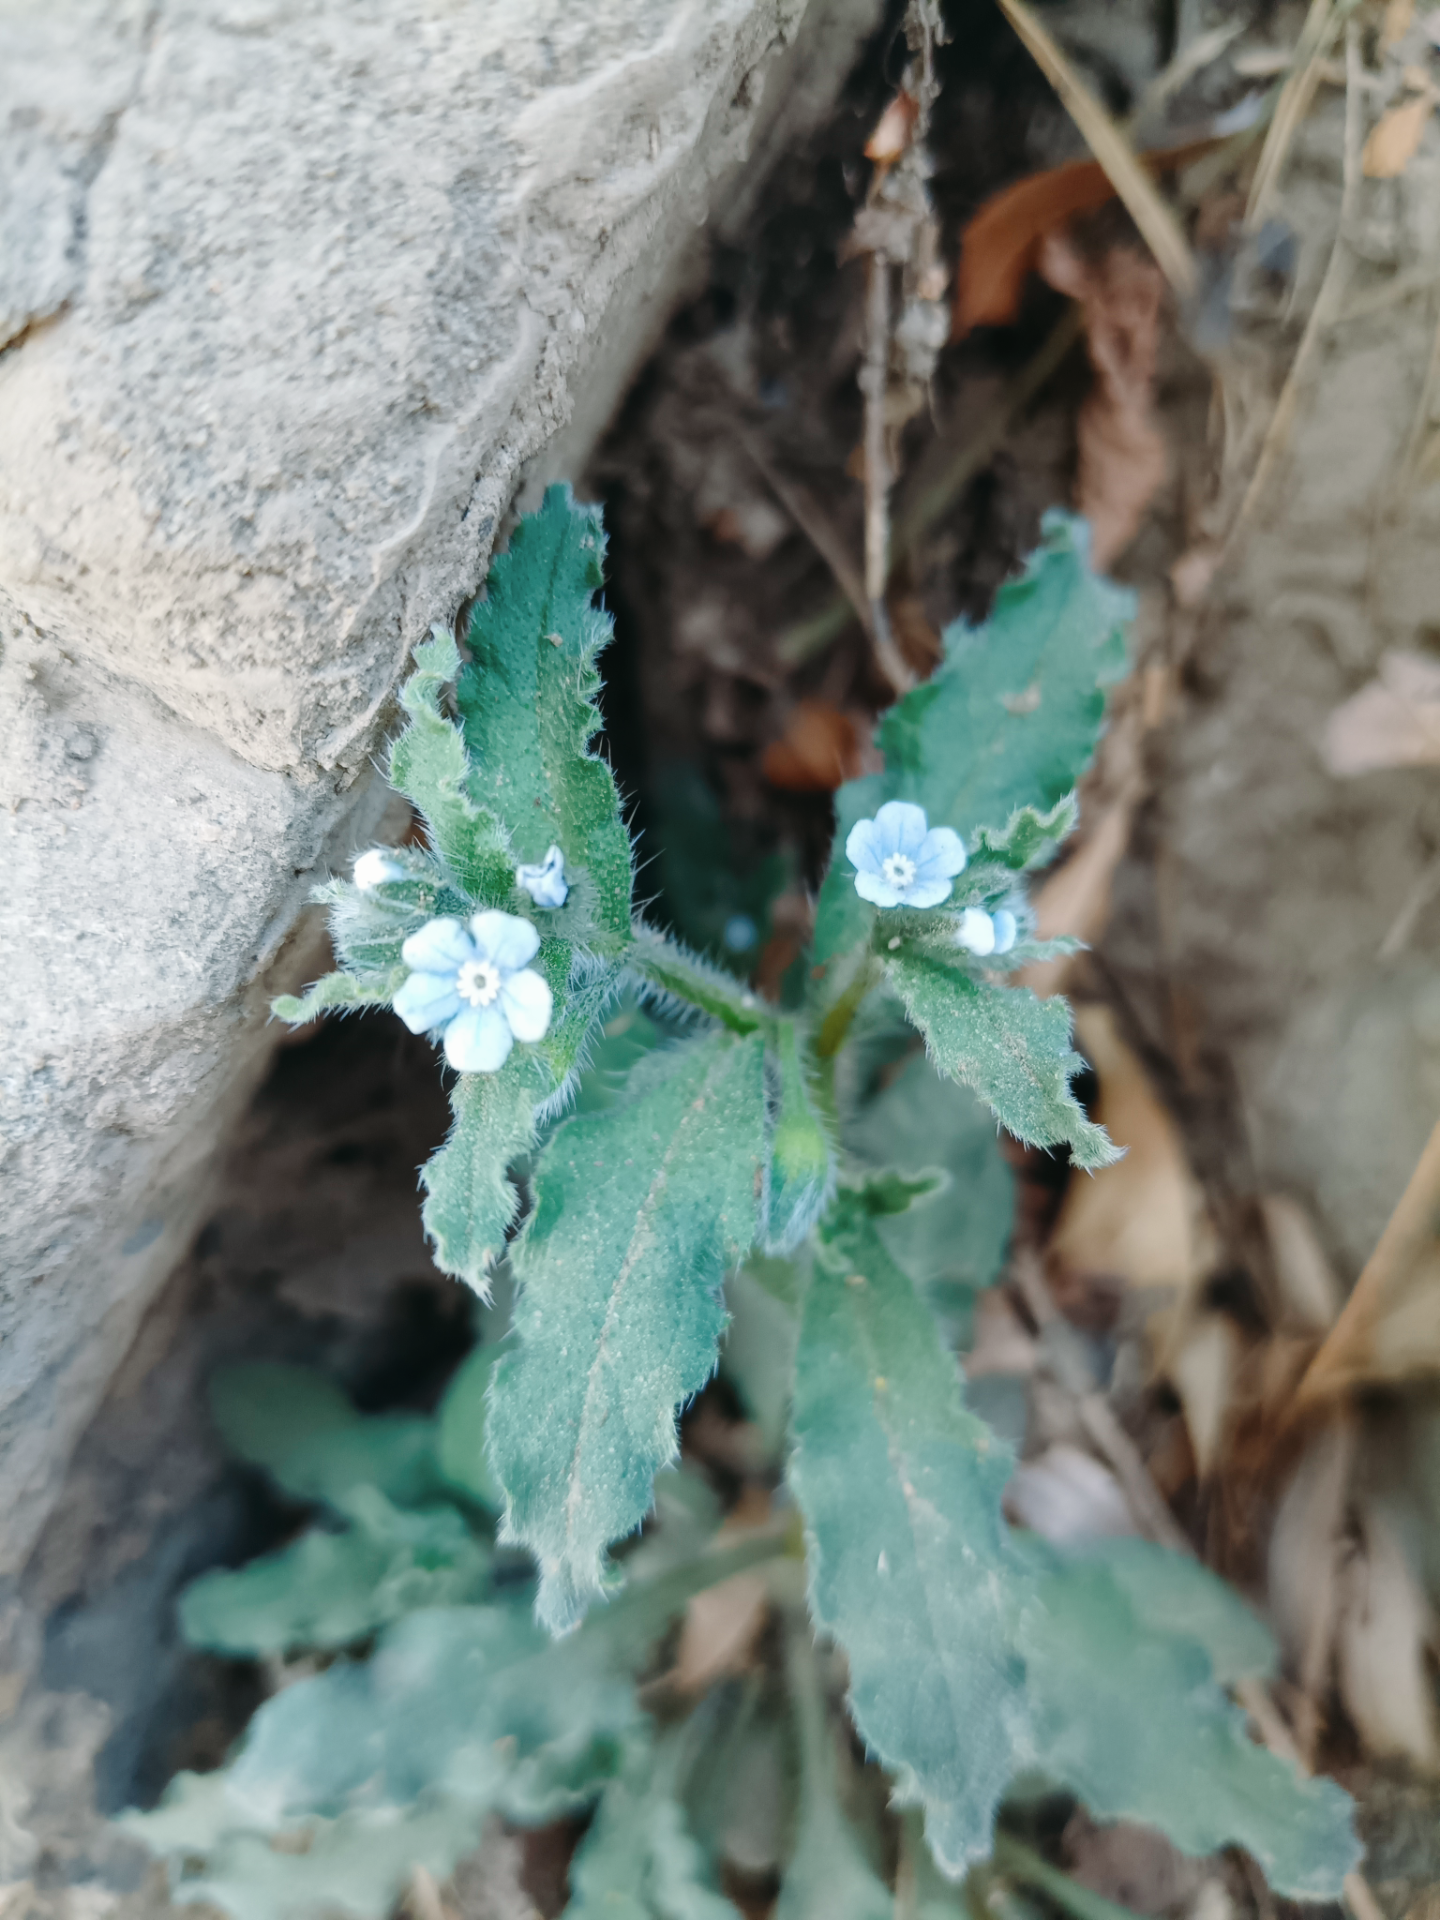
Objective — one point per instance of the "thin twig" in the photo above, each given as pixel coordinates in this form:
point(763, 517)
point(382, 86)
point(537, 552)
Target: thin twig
point(938, 483)
point(813, 521)
point(874, 379)
point(1377, 299)
point(1327, 304)
point(1299, 90)
point(1143, 200)
point(1420, 426)
point(1424, 890)
point(1188, 61)
point(1122, 1456)
point(874, 376)
point(1403, 1252)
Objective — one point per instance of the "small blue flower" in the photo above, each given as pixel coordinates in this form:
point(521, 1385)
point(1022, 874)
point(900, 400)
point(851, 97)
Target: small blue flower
point(1006, 929)
point(374, 868)
point(900, 860)
point(545, 883)
point(473, 983)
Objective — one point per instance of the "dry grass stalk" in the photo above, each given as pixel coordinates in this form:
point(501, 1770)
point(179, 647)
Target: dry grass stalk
point(1328, 302)
point(1390, 1327)
point(1147, 208)
point(1306, 72)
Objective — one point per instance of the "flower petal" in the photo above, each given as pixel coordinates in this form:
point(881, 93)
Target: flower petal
point(902, 827)
point(441, 946)
point(427, 1000)
point(870, 886)
point(976, 931)
point(1005, 930)
point(478, 1040)
point(525, 997)
point(927, 893)
point(942, 853)
point(505, 938)
point(862, 847)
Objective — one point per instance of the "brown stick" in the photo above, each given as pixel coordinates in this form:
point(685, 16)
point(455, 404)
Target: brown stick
point(1406, 1260)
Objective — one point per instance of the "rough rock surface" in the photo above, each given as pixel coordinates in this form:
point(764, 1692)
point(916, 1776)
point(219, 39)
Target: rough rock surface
point(1295, 912)
point(292, 298)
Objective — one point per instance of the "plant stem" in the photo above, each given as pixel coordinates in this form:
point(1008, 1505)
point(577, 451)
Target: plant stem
point(837, 1022)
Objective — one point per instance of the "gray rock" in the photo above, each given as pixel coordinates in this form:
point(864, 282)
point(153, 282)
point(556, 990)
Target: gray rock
point(293, 298)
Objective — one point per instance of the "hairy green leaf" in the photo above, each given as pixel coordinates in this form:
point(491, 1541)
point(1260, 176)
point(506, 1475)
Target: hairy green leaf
point(359, 1864)
point(976, 1656)
point(802, 1164)
point(900, 1487)
point(1009, 720)
point(1011, 1048)
point(758, 1357)
point(639, 1861)
point(329, 1590)
point(460, 1429)
point(827, 1876)
point(342, 992)
point(470, 1203)
point(298, 1425)
point(638, 1211)
point(1029, 837)
point(956, 1242)
point(1166, 1746)
point(1172, 1594)
point(429, 765)
point(368, 1769)
point(527, 701)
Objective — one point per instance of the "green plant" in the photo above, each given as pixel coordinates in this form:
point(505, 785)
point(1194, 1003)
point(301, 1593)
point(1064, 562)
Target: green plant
point(751, 1142)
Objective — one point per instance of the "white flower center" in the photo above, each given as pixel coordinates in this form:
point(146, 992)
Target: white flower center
point(898, 869)
point(478, 981)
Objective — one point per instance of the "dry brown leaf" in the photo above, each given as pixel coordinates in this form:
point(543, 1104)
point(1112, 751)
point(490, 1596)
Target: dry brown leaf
point(1385, 1628)
point(1191, 574)
point(1393, 721)
point(1202, 1365)
point(1000, 247)
point(893, 130)
point(1123, 457)
point(1390, 1328)
point(1398, 17)
point(1144, 1218)
point(1395, 138)
point(1138, 1868)
point(1310, 1291)
point(722, 1624)
point(819, 749)
point(1303, 1565)
point(1261, 63)
point(1158, 225)
point(1002, 1343)
point(720, 1629)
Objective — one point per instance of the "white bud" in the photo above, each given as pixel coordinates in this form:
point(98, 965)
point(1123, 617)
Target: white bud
point(545, 883)
point(374, 867)
point(976, 932)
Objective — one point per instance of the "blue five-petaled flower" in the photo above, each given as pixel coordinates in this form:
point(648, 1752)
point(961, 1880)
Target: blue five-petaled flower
point(473, 983)
point(900, 860)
